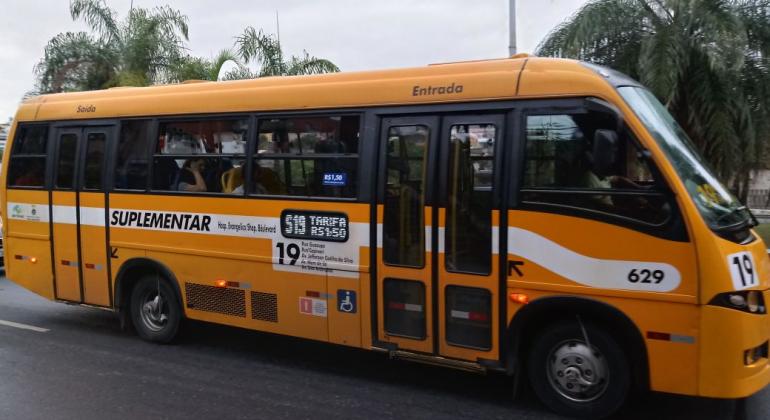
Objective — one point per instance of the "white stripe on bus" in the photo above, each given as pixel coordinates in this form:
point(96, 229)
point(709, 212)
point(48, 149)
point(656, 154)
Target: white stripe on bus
point(64, 214)
point(590, 271)
point(95, 216)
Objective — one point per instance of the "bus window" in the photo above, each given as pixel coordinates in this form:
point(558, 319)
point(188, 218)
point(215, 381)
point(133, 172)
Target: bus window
point(404, 224)
point(65, 167)
point(28, 155)
point(561, 169)
point(307, 157)
point(94, 162)
point(469, 211)
point(132, 161)
point(200, 156)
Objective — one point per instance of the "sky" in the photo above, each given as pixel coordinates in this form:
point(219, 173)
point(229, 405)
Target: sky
point(354, 34)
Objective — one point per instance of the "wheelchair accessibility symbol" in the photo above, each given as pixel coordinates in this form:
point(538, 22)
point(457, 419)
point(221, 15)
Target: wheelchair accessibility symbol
point(346, 301)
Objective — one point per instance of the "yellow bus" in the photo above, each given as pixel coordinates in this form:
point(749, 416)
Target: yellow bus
point(540, 217)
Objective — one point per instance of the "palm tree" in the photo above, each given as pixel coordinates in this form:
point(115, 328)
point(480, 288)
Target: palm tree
point(265, 50)
point(190, 67)
point(707, 60)
point(140, 50)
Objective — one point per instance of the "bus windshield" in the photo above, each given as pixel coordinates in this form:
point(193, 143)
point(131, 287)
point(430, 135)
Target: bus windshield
point(720, 209)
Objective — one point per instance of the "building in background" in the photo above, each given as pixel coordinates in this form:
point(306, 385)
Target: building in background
point(759, 190)
point(4, 128)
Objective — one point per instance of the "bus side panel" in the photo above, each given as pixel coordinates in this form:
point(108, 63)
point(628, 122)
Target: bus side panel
point(65, 246)
point(93, 238)
point(28, 246)
point(244, 306)
point(672, 364)
point(345, 315)
point(238, 270)
point(563, 255)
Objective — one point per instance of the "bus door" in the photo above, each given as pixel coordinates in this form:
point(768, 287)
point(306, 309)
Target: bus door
point(468, 237)
point(443, 302)
point(78, 215)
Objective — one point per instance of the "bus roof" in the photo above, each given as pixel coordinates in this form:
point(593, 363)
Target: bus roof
point(500, 79)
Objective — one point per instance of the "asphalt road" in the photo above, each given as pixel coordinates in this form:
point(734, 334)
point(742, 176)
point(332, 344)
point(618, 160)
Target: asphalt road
point(85, 367)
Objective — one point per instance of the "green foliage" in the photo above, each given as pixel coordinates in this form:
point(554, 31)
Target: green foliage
point(197, 68)
point(265, 50)
point(142, 49)
point(763, 230)
point(707, 60)
point(148, 47)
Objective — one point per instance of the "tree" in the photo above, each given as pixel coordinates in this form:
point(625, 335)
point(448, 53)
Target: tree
point(265, 50)
point(196, 68)
point(142, 49)
point(707, 60)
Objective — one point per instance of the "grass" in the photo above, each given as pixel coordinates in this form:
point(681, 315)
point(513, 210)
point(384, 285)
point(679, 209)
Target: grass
point(764, 231)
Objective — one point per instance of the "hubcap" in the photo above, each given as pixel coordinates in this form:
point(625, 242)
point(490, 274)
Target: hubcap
point(576, 371)
point(154, 311)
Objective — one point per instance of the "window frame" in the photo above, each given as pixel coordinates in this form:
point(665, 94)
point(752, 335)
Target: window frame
point(152, 152)
point(75, 181)
point(498, 121)
point(112, 160)
point(432, 122)
point(49, 133)
point(364, 190)
point(360, 156)
point(108, 133)
point(672, 228)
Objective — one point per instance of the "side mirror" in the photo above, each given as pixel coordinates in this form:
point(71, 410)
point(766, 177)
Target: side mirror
point(605, 151)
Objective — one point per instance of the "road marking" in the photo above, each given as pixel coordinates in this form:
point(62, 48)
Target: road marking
point(23, 326)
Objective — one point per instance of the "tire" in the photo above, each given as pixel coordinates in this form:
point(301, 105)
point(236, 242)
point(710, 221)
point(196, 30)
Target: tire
point(155, 320)
point(575, 380)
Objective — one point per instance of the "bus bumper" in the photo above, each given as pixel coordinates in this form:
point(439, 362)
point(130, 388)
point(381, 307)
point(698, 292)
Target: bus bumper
point(726, 336)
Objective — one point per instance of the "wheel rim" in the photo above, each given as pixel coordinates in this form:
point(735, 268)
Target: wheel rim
point(154, 311)
point(577, 372)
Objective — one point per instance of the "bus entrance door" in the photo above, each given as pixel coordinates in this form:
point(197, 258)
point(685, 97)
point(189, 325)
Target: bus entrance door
point(468, 266)
point(78, 206)
point(405, 286)
point(438, 280)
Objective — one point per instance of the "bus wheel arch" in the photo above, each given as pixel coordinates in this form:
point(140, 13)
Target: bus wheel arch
point(129, 274)
point(541, 313)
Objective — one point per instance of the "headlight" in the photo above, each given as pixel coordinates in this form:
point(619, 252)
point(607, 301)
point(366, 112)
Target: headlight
point(750, 301)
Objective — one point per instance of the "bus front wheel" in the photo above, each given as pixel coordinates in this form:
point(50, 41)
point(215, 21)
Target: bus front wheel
point(155, 310)
point(579, 371)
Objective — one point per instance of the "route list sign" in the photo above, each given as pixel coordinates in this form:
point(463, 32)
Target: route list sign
point(313, 225)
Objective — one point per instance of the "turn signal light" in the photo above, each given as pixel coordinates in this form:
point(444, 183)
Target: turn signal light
point(221, 283)
point(33, 259)
point(519, 298)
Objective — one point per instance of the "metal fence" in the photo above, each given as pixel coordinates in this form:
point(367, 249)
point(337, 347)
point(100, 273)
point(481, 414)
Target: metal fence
point(758, 199)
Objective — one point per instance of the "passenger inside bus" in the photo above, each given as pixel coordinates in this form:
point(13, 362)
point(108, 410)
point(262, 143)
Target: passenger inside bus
point(190, 177)
point(605, 169)
point(308, 156)
point(200, 156)
point(563, 158)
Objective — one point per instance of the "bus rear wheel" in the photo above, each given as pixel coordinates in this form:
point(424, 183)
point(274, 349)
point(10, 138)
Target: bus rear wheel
point(155, 310)
point(579, 372)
